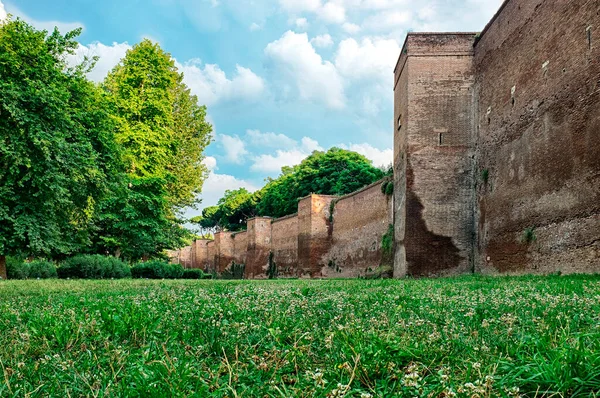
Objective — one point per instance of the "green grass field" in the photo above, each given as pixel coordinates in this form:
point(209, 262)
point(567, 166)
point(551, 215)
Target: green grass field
point(469, 336)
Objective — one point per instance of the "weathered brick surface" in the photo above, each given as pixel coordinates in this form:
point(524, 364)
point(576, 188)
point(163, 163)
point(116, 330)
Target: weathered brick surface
point(284, 245)
point(512, 184)
point(240, 247)
point(185, 257)
point(200, 254)
point(259, 246)
point(212, 257)
point(538, 99)
point(314, 234)
point(434, 154)
point(224, 244)
point(359, 222)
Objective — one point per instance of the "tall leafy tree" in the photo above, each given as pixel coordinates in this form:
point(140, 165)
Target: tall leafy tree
point(163, 133)
point(160, 126)
point(57, 152)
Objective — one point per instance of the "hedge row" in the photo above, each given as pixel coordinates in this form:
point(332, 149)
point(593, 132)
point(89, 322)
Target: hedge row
point(99, 267)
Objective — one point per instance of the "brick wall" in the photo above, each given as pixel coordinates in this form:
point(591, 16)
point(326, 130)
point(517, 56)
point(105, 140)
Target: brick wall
point(359, 222)
point(538, 101)
point(224, 250)
point(259, 247)
point(212, 257)
point(284, 245)
point(200, 253)
point(434, 154)
point(314, 233)
point(305, 244)
point(240, 247)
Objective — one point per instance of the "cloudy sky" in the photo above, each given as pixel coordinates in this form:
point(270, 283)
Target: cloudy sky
point(280, 78)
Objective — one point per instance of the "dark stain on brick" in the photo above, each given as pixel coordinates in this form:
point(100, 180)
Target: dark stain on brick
point(426, 252)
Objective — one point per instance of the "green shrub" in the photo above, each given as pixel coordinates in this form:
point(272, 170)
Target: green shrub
point(485, 176)
point(381, 272)
point(17, 268)
point(234, 271)
point(529, 235)
point(157, 269)
point(272, 269)
point(42, 269)
point(387, 241)
point(389, 189)
point(93, 266)
point(193, 274)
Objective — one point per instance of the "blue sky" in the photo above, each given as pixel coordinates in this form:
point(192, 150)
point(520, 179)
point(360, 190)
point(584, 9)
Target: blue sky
point(280, 78)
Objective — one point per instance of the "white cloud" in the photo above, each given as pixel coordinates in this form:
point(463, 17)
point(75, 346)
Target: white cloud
point(215, 186)
point(3, 14)
point(310, 145)
point(210, 162)
point(315, 79)
point(234, 147)
point(208, 82)
point(62, 26)
point(301, 23)
point(254, 27)
point(322, 41)
point(333, 13)
point(271, 140)
point(387, 21)
point(351, 28)
point(273, 163)
point(109, 57)
point(369, 58)
point(212, 85)
point(379, 157)
point(300, 5)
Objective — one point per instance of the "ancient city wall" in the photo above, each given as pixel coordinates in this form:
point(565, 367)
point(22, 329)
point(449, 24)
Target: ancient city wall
point(359, 222)
point(314, 233)
point(537, 68)
point(259, 247)
point(434, 143)
point(497, 144)
point(212, 257)
point(224, 244)
point(200, 253)
point(311, 243)
point(284, 245)
point(240, 246)
point(496, 160)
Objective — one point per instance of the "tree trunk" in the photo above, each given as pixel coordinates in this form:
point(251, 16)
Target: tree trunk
point(3, 267)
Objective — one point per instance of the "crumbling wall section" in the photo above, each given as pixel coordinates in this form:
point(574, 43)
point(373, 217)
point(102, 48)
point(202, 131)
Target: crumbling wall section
point(538, 98)
point(284, 232)
point(359, 222)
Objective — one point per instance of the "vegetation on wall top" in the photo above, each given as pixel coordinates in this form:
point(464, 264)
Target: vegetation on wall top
point(334, 172)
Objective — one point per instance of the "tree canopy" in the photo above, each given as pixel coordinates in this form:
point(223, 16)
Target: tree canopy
point(160, 126)
point(93, 168)
point(57, 152)
point(334, 172)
